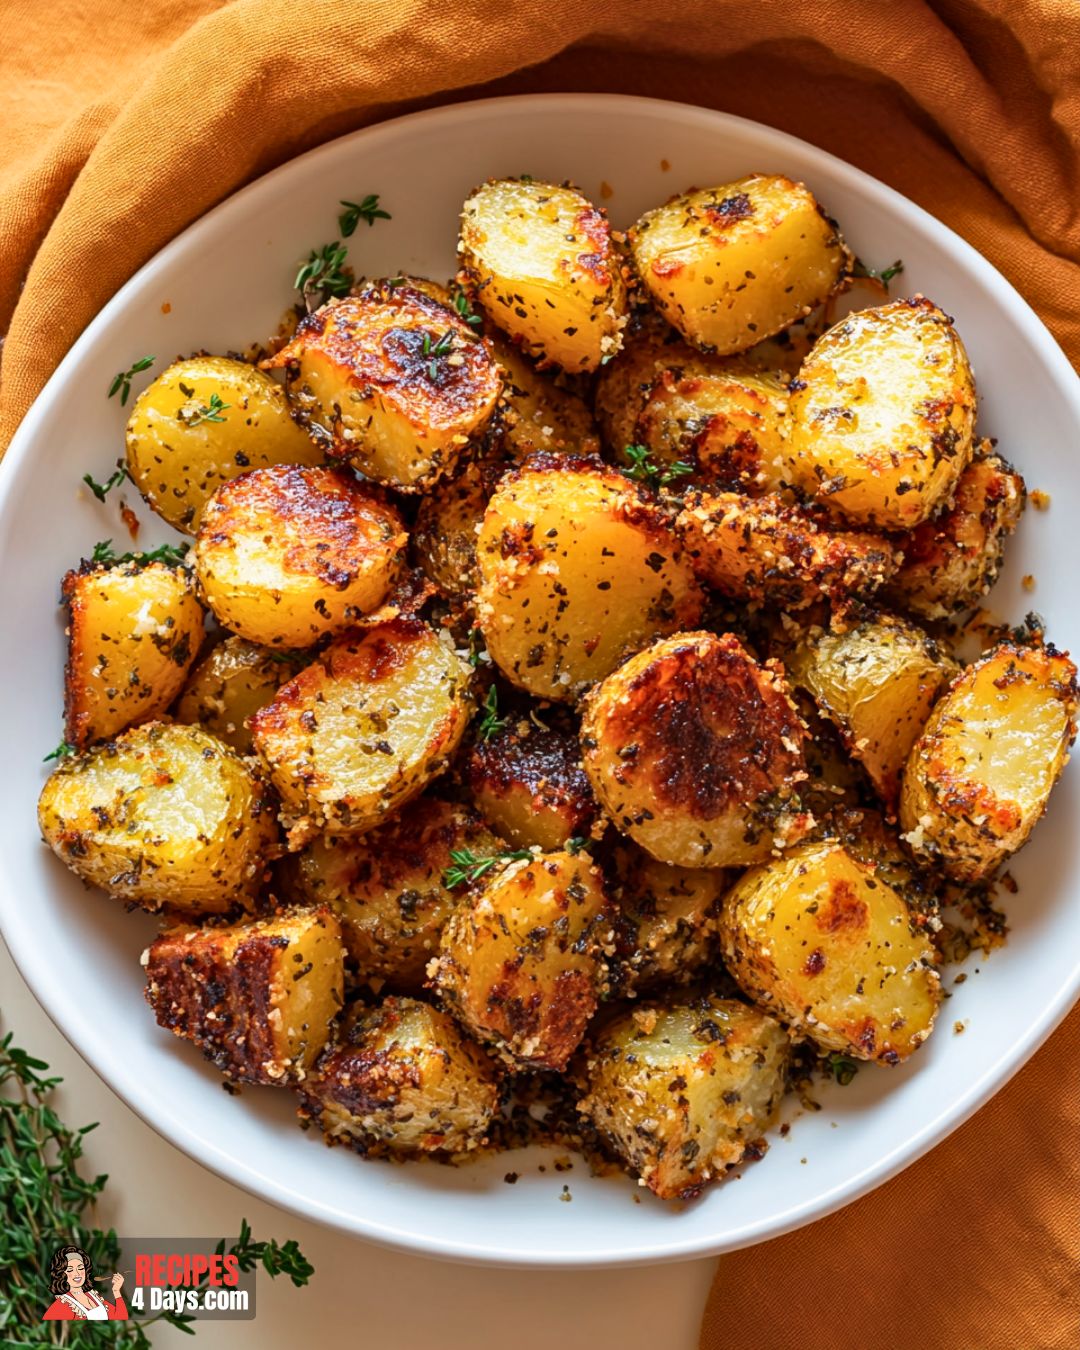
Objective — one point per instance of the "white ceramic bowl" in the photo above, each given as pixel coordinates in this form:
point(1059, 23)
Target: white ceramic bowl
point(227, 280)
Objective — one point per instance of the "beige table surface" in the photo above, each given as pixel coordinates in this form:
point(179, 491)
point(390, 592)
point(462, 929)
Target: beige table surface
point(372, 1297)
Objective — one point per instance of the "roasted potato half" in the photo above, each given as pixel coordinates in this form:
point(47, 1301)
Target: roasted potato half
point(364, 728)
point(288, 554)
point(684, 1090)
point(529, 783)
point(824, 942)
point(881, 416)
point(731, 265)
point(258, 998)
point(444, 536)
point(234, 680)
point(164, 815)
point(537, 414)
point(523, 959)
point(403, 1081)
point(577, 568)
point(388, 888)
point(952, 560)
point(694, 750)
point(543, 266)
point(760, 551)
point(980, 775)
point(202, 422)
point(876, 682)
point(393, 380)
point(133, 631)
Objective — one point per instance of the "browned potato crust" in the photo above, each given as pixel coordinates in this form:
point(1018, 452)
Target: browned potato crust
point(133, 632)
point(403, 1081)
point(444, 536)
point(824, 941)
point(695, 751)
point(530, 785)
point(951, 561)
point(364, 728)
point(288, 554)
point(387, 887)
point(393, 380)
point(539, 415)
point(764, 552)
point(232, 682)
point(578, 567)
point(258, 997)
point(683, 1091)
point(523, 964)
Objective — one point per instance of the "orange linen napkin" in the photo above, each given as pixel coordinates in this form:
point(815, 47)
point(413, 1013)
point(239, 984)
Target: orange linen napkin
point(124, 122)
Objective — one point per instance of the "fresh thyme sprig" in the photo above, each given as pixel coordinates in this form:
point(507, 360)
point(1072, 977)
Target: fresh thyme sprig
point(491, 723)
point(440, 347)
point(883, 277)
point(172, 554)
point(355, 212)
point(467, 867)
point(62, 751)
point(464, 310)
point(324, 272)
point(122, 381)
point(841, 1067)
point(193, 412)
point(102, 490)
point(642, 469)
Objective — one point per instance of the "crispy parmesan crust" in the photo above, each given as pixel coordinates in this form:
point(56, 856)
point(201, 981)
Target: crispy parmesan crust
point(444, 536)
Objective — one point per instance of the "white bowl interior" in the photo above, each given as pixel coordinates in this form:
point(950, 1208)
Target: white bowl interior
point(226, 282)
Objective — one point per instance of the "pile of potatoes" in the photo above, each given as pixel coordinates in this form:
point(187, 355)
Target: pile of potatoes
point(568, 703)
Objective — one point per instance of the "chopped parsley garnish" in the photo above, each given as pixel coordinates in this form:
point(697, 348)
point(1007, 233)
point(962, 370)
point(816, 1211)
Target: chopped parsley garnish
point(883, 277)
point(467, 867)
point(491, 723)
point(102, 490)
point(62, 751)
point(172, 554)
point(122, 382)
point(323, 272)
point(355, 212)
point(645, 470)
point(841, 1067)
point(193, 412)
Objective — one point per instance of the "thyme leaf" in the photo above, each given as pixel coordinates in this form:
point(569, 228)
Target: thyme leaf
point(643, 469)
point(491, 723)
point(122, 381)
point(355, 212)
point(467, 867)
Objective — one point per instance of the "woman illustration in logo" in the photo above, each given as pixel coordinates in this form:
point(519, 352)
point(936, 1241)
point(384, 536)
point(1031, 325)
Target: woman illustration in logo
point(72, 1280)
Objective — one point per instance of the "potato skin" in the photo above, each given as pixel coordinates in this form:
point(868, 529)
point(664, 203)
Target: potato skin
point(881, 417)
point(288, 554)
point(403, 1082)
point(766, 553)
point(979, 777)
point(387, 889)
point(578, 567)
point(542, 263)
point(537, 414)
point(824, 942)
point(695, 751)
point(364, 728)
point(731, 265)
point(530, 784)
point(393, 380)
point(133, 632)
point(258, 997)
point(164, 815)
point(234, 680)
point(684, 1090)
point(444, 536)
point(177, 459)
point(952, 560)
point(522, 961)
point(877, 683)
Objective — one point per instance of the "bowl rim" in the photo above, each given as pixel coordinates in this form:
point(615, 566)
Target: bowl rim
point(141, 1098)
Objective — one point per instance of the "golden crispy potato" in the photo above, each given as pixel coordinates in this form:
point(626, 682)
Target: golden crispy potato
point(544, 269)
point(761, 551)
point(650, 347)
point(392, 380)
point(257, 997)
point(980, 775)
point(538, 414)
point(667, 918)
point(529, 782)
point(683, 1091)
point(952, 560)
point(403, 1081)
point(731, 265)
point(288, 554)
point(163, 815)
point(133, 631)
point(577, 567)
point(234, 680)
point(695, 751)
point(181, 445)
point(876, 682)
point(388, 887)
point(444, 536)
point(522, 961)
point(364, 728)
point(824, 942)
point(881, 417)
